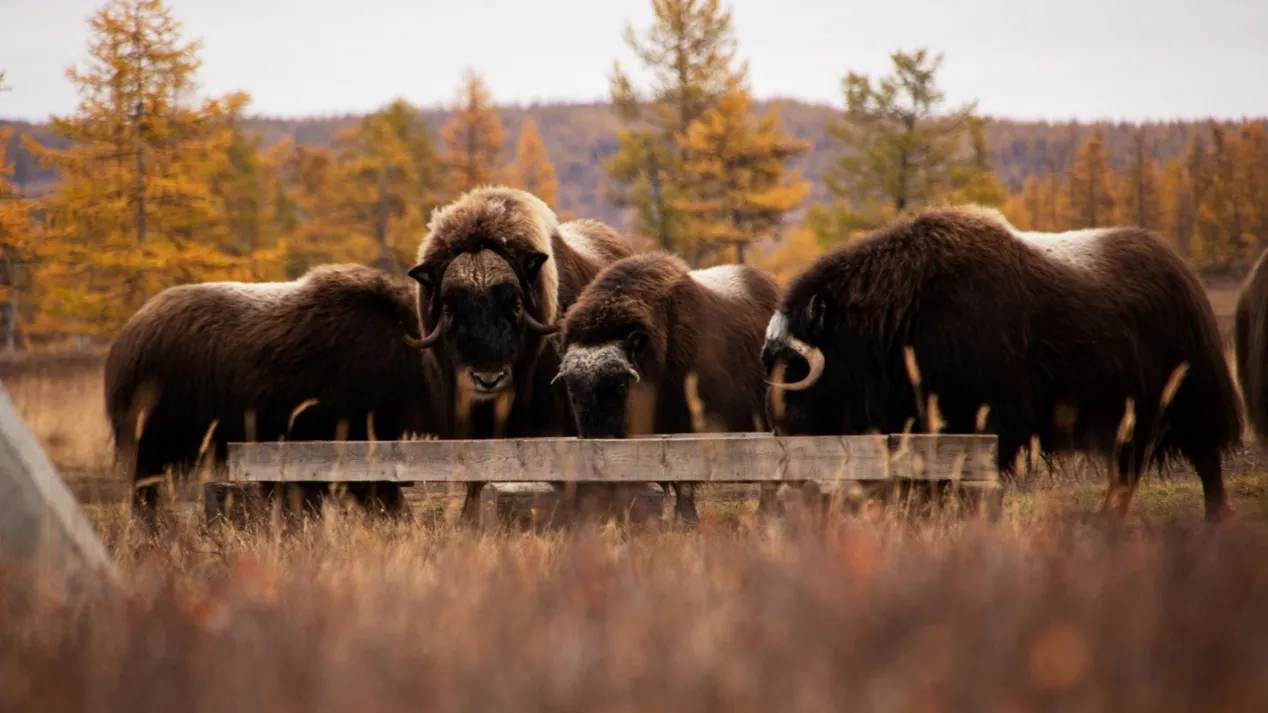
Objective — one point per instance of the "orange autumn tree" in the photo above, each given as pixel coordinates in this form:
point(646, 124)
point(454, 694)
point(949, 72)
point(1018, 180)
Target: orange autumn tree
point(390, 181)
point(17, 244)
point(474, 138)
point(131, 214)
point(533, 170)
point(737, 186)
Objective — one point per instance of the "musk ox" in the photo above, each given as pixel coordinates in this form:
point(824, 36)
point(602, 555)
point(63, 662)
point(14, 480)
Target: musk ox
point(495, 271)
point(1067, 337)
point(1250, 321)
point(246, 356)
point(642, 327)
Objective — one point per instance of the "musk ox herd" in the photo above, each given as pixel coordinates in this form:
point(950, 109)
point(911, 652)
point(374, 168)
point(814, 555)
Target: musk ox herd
point(515, 324)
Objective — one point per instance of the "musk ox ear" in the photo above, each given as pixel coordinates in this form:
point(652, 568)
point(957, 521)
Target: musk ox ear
point(425, 274)
point(533, 264)
point(817, 312)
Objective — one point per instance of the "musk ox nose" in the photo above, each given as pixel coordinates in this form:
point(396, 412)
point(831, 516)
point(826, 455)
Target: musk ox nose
point(490, 380)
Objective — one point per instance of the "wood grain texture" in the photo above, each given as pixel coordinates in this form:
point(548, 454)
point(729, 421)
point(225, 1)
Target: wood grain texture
point(731, 458)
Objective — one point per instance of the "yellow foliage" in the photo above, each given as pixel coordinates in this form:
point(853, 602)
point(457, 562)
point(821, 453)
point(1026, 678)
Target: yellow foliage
point(1089, 186)
point(736, 189)
point(533, 170)
point(474, 139)
point(132, 213)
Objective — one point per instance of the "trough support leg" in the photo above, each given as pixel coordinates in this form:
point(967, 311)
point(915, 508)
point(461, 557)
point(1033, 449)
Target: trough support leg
point(380, 498)
point(768, 504)
point(684, 503)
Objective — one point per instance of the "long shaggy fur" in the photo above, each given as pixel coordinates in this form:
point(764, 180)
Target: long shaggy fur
point(1250, 346)
point(1053, 334)
point(492, 260)
point(212, 353)
point(647, 324)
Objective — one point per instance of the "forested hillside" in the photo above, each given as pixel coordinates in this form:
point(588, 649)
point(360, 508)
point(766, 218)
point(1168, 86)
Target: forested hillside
point(580, 136)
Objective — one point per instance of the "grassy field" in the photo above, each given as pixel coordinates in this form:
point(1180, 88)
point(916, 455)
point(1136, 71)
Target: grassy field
point(1048, 609)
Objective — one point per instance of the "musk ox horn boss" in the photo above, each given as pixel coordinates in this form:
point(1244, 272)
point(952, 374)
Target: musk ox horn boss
point(1069, 337)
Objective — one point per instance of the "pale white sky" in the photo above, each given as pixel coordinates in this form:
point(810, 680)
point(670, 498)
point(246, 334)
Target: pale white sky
point(1054, 59)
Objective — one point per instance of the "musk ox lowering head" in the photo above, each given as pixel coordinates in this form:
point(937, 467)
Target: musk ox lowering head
point(616, 340)
point(1068, 338)
point(488, 289)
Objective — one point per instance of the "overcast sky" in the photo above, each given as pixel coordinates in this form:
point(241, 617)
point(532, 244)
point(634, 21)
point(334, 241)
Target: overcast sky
point(1086, 59)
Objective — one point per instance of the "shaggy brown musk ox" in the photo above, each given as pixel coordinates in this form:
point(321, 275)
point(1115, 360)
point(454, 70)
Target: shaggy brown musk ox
point(1054, 333)
point(1250, 330)
point(642, 327)
point(495, 272)
point(215, 352)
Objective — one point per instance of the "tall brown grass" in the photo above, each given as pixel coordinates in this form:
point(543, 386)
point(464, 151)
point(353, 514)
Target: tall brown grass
point(851, 616)
point(62, 399)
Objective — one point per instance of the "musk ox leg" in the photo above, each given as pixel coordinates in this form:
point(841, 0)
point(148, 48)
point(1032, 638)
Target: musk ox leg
point(470, 514)
point(1210, 472)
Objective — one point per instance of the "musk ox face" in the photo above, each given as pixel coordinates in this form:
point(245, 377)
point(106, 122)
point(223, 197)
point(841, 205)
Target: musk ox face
point(599, 379)
point(481, 305)
point(795, 366)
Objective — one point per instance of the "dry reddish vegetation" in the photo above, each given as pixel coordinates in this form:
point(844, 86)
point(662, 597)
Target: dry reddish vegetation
point(853, 617)
point(1047, 610)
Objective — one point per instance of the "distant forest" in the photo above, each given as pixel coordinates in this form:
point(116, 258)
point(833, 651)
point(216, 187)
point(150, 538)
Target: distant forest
point(579, 136)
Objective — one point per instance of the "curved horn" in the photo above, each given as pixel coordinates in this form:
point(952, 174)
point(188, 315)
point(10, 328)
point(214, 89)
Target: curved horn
point(813, 357)
point(538, 327)
point(428, 340)
point(634, 373)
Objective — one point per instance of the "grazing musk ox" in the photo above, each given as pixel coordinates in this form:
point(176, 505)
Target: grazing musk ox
point(642, 327)
point(1250, 328)
point(230, 352)
point(1052, 333)
point(495, 272)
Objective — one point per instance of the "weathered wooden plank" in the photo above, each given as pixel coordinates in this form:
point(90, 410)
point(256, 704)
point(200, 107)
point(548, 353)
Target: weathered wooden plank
point(39, 518)
point(754, 457)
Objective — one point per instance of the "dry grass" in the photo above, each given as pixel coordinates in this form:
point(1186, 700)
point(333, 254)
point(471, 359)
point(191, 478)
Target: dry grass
point(1048, 609)
point(854, 616)
point(62, 400)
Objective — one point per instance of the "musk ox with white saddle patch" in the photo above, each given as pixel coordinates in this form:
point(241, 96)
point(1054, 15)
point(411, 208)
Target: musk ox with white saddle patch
point(318, 358)
point(643, 328)
point(1100, 341)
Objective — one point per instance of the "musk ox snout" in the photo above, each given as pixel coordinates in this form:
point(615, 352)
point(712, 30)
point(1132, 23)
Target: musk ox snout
point(599, 379)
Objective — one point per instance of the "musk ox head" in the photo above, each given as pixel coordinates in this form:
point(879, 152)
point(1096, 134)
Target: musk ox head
point(793, 364)
point(487, 286)
point(599, 379)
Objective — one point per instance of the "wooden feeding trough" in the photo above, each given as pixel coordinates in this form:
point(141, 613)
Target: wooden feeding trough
point(521, 470)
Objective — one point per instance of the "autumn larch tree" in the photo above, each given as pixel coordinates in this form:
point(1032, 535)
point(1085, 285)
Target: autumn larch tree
point(737, 188)
point(901, 144)
point(533, 170)
point(1138, 200)
point(129, 215)
point(391, 180)
point(689, 53)
point(1089, 186)
point(17, 242)
point(474, 139)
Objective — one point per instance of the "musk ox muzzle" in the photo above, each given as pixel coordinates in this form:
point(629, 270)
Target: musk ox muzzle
point(778, 339)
